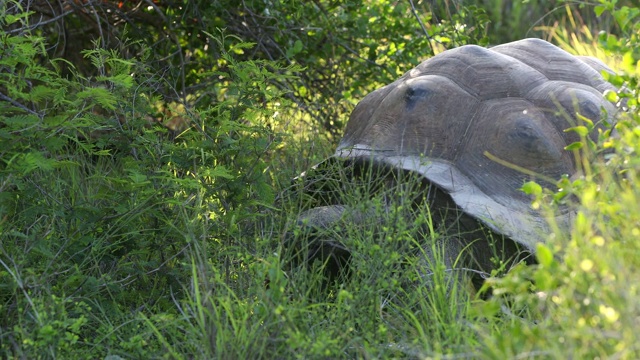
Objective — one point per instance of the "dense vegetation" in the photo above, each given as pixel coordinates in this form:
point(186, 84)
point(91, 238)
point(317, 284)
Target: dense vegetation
point(146, 156)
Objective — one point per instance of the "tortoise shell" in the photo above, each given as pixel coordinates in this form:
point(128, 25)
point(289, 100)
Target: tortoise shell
point(479, 123)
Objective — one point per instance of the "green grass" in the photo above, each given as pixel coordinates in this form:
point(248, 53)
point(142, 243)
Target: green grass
point(136, 245)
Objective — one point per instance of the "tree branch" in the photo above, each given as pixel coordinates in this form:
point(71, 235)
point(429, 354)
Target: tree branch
point(40, 23)
point(424, 29)
point(17, 104)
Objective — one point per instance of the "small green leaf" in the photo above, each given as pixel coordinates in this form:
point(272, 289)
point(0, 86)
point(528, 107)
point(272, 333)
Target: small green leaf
point(36, 160)
point(580, 130)
point(218, 171)
point(544, 255)
point(100, 95)
point(532, 188)
point(20, 121)
point(574, 146)
point(41, 92)
point(124, 80)
point(586, 120)
point(295, 49)
point(137, 177)
point(486, 309)
point(611, 96)
point(612, 41)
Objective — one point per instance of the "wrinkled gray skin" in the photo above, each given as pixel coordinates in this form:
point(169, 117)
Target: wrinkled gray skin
point(474, 124)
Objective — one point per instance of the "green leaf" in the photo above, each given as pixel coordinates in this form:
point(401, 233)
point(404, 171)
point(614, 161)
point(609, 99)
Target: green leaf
point(100, 95)
point(580, 130)
point(137, 177)
point(544, 255)
point(574, 146)
point(486, 309)
point(124, 80)
point(36, 160)
point(629, 62)
point(588, 121)
point(10, 18)
point(612, 41)
point(295, 49)
point(41, 92)
point(20, 121)
point(532, 188)
point(218, 171)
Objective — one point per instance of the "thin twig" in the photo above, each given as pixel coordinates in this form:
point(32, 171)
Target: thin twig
point(102, 68)
point(40, 23)
point(172, 35)
point(424, 29)
point(17, 104)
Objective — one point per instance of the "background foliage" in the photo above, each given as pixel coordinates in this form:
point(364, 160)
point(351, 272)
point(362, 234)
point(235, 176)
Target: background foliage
point(145, 152)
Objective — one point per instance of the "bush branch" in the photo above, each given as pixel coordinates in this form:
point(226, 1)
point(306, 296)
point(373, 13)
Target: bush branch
point(17, 104)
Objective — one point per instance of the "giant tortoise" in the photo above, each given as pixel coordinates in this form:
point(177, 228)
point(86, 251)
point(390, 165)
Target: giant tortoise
point(474, 125)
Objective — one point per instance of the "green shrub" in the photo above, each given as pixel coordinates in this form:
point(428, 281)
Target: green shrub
point(581, 300)
point(146, 201)
point(100, 202)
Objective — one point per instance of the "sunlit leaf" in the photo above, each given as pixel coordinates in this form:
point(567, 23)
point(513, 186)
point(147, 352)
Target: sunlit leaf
point(532, 188)
point(574, 146)
point(580, 130)
point(544, 255)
